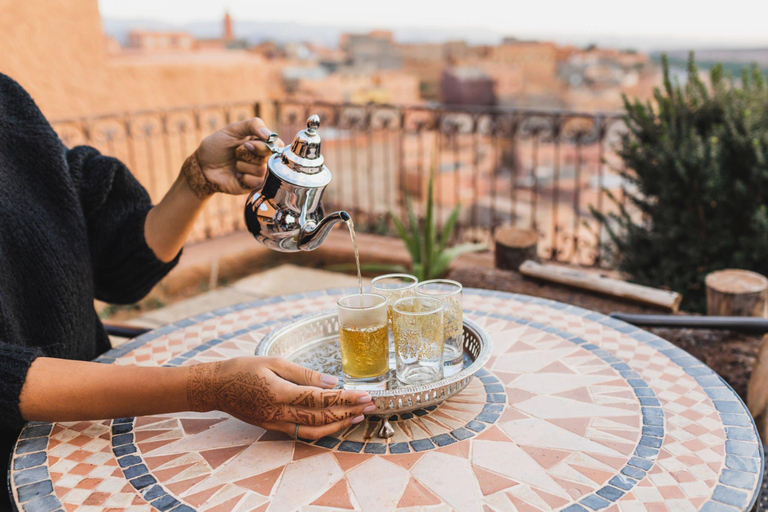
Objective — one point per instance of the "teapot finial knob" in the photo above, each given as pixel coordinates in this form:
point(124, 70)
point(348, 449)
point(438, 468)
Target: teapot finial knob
point(313, 123)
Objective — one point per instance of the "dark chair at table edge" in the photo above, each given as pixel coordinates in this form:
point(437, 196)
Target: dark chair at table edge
point(123, 330)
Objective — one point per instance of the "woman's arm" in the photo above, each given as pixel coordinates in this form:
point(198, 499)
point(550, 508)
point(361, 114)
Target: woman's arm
point(220, 164)
point(270, 392)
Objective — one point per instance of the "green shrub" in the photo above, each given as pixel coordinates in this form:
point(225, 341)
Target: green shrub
point(695, 160)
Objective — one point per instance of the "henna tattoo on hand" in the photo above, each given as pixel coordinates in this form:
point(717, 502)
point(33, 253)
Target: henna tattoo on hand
point(328, 398)
point(246, 395)
point(196, 179)
point(201, 387)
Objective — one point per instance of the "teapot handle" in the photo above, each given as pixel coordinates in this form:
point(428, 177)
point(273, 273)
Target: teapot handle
point(270, 143)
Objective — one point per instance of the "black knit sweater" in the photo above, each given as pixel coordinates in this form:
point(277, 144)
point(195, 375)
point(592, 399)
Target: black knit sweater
point(71, 230)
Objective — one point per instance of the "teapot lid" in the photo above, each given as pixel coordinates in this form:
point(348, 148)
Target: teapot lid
point(302, 163)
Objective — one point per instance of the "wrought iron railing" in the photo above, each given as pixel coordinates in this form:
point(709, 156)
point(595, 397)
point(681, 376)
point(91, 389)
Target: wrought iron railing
point(544, 170)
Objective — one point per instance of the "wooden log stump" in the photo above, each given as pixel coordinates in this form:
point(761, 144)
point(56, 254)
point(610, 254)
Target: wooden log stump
point(514, 246)
point(734, 292)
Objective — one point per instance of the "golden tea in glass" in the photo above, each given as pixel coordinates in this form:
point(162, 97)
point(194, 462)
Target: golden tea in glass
point(363, 338)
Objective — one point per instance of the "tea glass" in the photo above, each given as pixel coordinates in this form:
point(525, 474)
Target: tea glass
point(363, 338)
point(450, 293)
point(417, 323)
point(394, 287)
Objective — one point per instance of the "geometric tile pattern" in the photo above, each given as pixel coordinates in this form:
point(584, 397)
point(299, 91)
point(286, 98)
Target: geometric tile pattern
point(574, 411)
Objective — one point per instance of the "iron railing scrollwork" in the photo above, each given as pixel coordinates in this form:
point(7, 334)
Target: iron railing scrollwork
point(539, 169)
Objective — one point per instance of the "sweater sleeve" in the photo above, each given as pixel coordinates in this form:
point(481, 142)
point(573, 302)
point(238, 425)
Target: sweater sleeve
point(14, 364)
point(115, 206)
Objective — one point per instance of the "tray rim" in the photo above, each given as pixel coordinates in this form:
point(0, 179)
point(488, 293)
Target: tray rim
point(482, 357)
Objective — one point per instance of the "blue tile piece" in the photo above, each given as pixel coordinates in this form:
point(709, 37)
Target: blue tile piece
point(494, 388)
point(29, 476)
point(461, 434)
point(153, 492)
point(653, 421)
point(742, 463)
point(493, 408)
point(476, 426)
point(651, 411)
point(712, 381)
point(34, 444)
point(595, 502)
point(713, 506)
point(646, 452)
point(121, 428)
point(143, 481)
point(406, 416)
point(166, 502)
point(443, 440)
point(622, 482)
point(134, 471)
point(719, 393)
point(575, 508)
point(635, 473)
point(610, 493)
point(738, 479)
point(730, 496)
point(487, 417)
point(740, 434)
point(351, 446)
point(125, 449)
point(420, 412)
point(653, 431)
point(45, 504)
point(397, 448)
point(122, 439)
point(728, 406)
point(130, 460)
point(327, 442)
point(420, 445)
point(497, 398)
point(653, 442)
point(183, 508)
point(36, 431)
point(742, 449)
point(644, 392)
point(28, 461)
point(30, 492)
point(377, 448)
point(640, 463)
point(739, 420)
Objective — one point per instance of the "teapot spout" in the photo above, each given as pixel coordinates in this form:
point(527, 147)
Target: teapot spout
point(311, 237)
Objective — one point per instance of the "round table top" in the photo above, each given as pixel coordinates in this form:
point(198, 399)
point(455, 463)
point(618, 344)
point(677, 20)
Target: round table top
point(573, 411)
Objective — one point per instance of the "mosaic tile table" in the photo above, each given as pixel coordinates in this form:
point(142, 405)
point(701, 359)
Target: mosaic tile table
point(574, 411)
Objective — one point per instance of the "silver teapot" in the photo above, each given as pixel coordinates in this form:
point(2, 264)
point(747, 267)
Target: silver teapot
point(286, 214)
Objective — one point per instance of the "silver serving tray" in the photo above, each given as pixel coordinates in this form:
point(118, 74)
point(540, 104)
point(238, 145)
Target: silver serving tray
point(313, 341)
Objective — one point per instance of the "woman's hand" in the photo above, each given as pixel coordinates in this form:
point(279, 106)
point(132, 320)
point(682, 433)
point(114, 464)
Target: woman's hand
point(277, 395)
point(232, 160)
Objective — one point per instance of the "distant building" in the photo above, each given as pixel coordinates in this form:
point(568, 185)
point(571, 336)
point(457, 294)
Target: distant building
point(467, 86)
point(150, 41)
point(376, 49)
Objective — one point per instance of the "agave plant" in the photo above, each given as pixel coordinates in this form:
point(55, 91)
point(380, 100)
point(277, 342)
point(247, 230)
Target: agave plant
point(430, 254)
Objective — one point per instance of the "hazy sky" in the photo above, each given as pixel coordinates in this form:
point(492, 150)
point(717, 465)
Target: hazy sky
point(707, 22)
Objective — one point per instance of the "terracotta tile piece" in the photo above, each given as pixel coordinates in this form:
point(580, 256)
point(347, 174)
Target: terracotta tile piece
point(201, 497)
point(263, 483)
point(303, 450)
point(349, 460)
point(406, 460)
point(195, 426)
point(337, 497)
point(219, 456)
point(178, 488)
point(491, 482)
point(546, 457)
point(416, 495)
